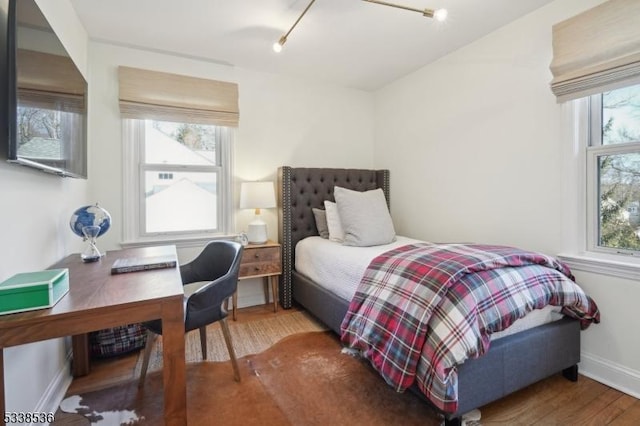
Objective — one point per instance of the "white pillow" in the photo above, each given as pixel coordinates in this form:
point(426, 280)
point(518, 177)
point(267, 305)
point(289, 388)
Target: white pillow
point(364, 217)
point(333, 222)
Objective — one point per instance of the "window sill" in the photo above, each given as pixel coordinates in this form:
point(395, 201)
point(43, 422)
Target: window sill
point(603, 264)
point(179, 243)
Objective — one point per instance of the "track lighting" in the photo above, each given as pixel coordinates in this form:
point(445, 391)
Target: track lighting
point(440, 15)
point(277, 47)
point(437, 14)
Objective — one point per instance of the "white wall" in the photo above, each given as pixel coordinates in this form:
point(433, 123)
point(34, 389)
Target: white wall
point(283, 121)
point(472, 141)
point(34, 223)
point(475, 144)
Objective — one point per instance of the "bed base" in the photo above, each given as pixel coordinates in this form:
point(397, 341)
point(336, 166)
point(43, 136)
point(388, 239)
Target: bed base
point(512, 363)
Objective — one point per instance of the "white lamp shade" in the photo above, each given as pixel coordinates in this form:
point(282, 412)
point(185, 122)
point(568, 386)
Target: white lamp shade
point(257, 195)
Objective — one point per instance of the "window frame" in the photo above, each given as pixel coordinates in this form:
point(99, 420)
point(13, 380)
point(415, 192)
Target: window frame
point(133, 138)
point(595, 149)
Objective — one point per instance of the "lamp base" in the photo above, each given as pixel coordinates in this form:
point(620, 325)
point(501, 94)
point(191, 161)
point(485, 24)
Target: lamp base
point(257, 232)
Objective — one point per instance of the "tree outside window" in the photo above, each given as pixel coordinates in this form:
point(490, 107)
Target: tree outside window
point(618, 168)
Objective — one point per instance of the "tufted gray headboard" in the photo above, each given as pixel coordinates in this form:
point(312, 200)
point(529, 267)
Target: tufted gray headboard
point(300, 190)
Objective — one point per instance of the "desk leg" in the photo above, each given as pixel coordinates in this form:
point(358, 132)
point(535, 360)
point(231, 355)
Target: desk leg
point(174, 369)
point(2, 402)
point(80, 347)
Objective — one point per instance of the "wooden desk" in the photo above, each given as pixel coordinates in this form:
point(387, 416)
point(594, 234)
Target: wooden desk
point(98, 300)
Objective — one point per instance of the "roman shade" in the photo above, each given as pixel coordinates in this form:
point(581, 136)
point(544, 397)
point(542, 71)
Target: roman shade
point(597, 50)
point(60, 87)
point(146, 94)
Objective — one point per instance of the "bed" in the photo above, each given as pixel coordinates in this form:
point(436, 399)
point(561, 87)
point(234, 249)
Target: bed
point(512, 362)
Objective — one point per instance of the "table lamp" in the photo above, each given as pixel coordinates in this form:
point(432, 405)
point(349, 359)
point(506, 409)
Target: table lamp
point(257, 195)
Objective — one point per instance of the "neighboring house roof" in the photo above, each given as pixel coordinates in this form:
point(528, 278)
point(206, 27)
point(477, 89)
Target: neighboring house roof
point(165, 150)
point(183, 205)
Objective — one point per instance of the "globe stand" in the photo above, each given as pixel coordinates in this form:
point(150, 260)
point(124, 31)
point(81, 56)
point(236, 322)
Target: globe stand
point(91, 252)
point(89, 223)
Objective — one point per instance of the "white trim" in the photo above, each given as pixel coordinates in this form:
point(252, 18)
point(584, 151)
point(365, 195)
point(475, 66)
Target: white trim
point(55, 392)
point(580, 209)
point(574, 185)
point(179, 243)
point(603, 264)
point(133, 185)
point(594, 150)
point(130, 177)
point(611, 374)
point(226, 157)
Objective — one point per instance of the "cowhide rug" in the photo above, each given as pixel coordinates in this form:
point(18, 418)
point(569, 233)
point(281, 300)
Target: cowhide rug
point(304, 379)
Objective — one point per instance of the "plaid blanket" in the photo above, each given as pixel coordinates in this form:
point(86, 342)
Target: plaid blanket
point(423, 308)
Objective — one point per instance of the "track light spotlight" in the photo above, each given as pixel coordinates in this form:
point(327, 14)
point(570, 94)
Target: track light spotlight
point(277, 47)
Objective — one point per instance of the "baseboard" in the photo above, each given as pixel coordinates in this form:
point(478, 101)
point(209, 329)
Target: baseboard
point(611, 374)
point(55, 392)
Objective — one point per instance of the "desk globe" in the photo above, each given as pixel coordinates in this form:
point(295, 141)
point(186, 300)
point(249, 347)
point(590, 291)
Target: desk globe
point(90, 222)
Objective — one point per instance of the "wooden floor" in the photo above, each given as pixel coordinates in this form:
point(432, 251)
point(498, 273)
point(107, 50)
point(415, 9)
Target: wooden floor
point(107, 372)
point(554, 401)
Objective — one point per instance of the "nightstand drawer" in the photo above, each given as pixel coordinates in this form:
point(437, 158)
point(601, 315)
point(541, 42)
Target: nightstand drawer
point(260, 261)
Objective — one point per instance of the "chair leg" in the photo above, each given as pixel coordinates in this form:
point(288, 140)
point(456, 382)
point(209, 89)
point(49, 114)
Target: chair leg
point(151, 337)
point(203, 342)
point(232, 353)
point(234, 302)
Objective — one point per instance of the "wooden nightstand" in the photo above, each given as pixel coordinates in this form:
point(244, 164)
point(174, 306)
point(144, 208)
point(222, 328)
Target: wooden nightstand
point(261, 260)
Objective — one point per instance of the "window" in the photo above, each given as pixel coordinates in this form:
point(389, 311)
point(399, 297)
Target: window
point(42, 133)
point(177, 182)
point(177, 135)
point(613, 172)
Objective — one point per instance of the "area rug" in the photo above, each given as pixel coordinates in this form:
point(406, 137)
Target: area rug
point(248, 338)
point(304, 379)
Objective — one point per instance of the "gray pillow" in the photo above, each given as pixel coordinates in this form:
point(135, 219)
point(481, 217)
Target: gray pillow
point(364, 217)
point(333, 222)
point(321, 222)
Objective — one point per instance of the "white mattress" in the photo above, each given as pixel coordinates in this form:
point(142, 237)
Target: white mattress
point(339, 268)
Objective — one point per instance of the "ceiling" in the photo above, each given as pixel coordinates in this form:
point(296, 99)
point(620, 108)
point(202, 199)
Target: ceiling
point(346, 42)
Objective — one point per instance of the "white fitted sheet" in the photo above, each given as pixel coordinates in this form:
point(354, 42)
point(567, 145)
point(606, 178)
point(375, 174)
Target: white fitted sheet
point(336, 267)
point(339, 268)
